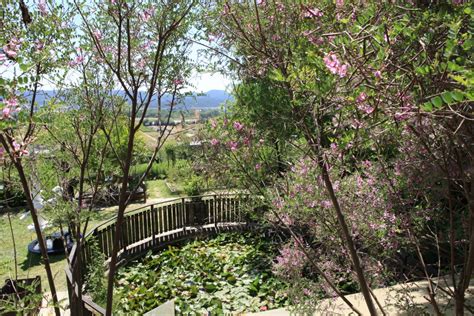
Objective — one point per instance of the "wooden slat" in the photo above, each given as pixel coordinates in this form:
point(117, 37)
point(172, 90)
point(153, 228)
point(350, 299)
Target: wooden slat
point(164, 223)
point(136, 229)
point(103, 241)
point(173, 216)
point(159, 217)
point(149, 227)
point(126, 227)
point(170, 218)
point(103, 237)
point(153, 224)
point(112, 238)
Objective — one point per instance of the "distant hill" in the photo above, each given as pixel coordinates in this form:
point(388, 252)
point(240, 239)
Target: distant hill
point(211, 99)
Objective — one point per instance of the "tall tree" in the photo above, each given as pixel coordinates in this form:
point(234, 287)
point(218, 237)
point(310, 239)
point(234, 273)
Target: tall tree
point(143, 44)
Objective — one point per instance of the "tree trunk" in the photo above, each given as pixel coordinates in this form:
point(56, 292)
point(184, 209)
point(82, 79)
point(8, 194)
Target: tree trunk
point(364, 287)
point(39, 236)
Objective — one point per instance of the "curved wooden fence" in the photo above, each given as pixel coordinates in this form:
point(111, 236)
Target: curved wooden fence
point(153, 227)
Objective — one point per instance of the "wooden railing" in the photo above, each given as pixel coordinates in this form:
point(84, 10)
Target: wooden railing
point(153, 227)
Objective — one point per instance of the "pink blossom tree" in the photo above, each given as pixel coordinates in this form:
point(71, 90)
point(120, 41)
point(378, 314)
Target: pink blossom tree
point(143, 45)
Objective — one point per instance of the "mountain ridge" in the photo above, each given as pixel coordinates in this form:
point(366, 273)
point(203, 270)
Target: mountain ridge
point(211, 99)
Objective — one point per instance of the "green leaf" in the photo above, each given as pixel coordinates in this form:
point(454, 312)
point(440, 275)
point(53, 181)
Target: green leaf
point(437, 102)
point(427, 107)
point(23, 67)
point(457, 95)
point(447, 98)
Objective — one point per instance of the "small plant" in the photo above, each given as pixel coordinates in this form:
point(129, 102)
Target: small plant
point(194, 186)
point(95, 279)
point(21, 295)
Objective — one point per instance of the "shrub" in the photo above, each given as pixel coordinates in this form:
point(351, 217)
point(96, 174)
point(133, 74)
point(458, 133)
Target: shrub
point(95, 282)
point(194, 186)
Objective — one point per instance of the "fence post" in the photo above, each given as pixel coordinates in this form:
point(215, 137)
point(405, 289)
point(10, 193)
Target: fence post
point(153, 224)
point(216, 210)
point(183, 208)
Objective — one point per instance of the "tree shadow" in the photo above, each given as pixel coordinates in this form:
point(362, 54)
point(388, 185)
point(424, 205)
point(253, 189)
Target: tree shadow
point(33, 259)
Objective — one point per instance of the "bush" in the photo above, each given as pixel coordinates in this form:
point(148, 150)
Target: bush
point(157, 171)
point(96, 283)
point(180, 171)
point(194, 186)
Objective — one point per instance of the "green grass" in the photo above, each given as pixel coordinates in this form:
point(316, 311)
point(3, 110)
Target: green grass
point(30, 265)
point(158, 189)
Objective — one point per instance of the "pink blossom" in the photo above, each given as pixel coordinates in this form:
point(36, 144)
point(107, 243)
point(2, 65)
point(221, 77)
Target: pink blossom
point(343, 70)
point(378, 74)
point(326, 204)
point(261, 141)
point(258, 166)
point(42, 7)
point(10, 53)
point(246, 141)
point(11, 105)
point(39, 45)
point(12, 101)
point(353, 15)
point(238, 126)
point(233, 145)
point(334, 65)
point(11, 49)
point(314, 12)
point(214, 142)
point(148, 14)
point(97, 34)
point(361, 97)
point(339, 3)
point(19, 149)
point(280, 6)
point(307, 292)
point(213, 123)
point(226, 9)
point(6, 113)
point(78, 59)
point(16, 146)
point(290, 261)
point(278, 203)
point(178, 82)
point(312, 38)
point(366, 108)
point(401, 116)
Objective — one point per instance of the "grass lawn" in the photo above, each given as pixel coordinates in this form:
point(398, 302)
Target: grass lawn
point(30, 265)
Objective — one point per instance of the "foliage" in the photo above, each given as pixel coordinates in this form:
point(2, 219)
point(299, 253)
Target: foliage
point(95, 283)
point(25, 297)
point(374, 94)
point(180, 171)
point(157, 171)
point(194, 186)
point(228, 274)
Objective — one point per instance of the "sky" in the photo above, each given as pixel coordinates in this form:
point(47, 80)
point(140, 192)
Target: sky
point(210, 81)
point(200, 82)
